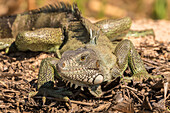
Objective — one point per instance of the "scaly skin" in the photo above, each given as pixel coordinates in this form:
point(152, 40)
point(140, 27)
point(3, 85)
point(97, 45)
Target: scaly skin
point(44, 39)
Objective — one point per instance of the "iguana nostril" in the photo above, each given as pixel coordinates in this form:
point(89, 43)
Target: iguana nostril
point(63, 65)
point(98, 79)
point(97, 64)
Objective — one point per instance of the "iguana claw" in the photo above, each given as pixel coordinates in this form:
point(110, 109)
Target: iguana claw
point(59, 95)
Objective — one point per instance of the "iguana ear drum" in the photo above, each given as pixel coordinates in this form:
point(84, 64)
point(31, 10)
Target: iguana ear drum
point(98, 80)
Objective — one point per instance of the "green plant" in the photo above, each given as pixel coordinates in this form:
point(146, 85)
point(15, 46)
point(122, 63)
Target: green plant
point(160, 9)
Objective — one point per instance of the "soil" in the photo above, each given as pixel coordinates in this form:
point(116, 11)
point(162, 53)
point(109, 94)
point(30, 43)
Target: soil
point(18, 77)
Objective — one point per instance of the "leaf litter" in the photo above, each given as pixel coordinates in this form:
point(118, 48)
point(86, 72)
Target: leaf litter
point(18, 77)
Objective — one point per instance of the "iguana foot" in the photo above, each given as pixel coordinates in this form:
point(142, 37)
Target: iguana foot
point(46, 82)
point(59, 95)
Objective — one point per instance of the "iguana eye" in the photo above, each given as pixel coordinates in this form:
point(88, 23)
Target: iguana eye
point(82, 58)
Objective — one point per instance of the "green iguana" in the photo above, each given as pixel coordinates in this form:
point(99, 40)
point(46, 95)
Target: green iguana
point(90, 65)
point(52, 27)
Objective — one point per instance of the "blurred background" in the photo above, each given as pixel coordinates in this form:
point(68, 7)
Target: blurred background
point(98, 9)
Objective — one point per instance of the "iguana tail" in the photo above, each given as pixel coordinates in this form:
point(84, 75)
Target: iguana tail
point(6, 23)
point(6, 37)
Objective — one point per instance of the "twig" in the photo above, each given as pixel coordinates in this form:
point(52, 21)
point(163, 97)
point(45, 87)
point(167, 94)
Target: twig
point(129, 88)
point(6, 74)
point(168, 96)
point(6, 86)
point(72, 101)
point(151, 62)
point(165, 91)
point(136, 96)
point(82, 103)
point(102, 107)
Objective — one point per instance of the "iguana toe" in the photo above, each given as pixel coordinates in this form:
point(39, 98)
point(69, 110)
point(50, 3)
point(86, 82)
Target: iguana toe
point(59, 95)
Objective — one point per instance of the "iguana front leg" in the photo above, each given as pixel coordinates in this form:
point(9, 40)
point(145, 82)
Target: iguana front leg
point(128, 56)
point(47, 73)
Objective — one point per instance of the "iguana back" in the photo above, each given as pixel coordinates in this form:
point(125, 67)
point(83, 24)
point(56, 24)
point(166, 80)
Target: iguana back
point(60, 15)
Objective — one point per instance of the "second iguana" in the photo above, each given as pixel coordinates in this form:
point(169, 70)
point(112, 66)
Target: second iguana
point(52, 27)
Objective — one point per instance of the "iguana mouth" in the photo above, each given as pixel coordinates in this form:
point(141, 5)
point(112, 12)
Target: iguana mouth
point(80, 69)
point(81, 76)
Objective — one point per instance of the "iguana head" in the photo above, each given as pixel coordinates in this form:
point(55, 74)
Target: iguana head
point(80, 67)
point(88, 66)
